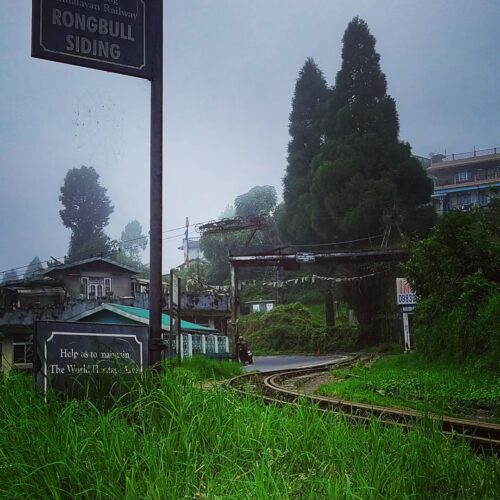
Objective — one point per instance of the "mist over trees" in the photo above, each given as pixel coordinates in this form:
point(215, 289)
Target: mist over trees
point(86, 212)
point(10, 275)
point(132, 241)
point(34, 268)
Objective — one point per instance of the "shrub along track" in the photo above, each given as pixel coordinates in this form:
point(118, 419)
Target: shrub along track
point(281, 388)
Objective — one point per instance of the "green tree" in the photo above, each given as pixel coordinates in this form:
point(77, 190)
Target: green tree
point(363, 170)
point(216, 247)
point(363, 173)
point(132, 241)
point(360, 103)
point(86, 212)
point(34, 268)
point(227, 213)
point(455, 273)
point(259, 200)
point(311, 94)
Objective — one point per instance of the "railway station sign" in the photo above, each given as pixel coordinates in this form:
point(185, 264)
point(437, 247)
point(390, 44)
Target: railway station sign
point(110, 35)
point(405, 296)
point(70, 354)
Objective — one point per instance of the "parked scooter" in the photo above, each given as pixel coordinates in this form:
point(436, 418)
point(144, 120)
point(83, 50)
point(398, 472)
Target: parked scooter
point(245, 355)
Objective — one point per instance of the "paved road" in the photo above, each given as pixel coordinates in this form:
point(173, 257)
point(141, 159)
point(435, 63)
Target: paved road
point(271, 363)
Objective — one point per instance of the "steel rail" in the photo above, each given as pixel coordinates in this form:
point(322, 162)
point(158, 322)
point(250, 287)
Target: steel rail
point(482, 436)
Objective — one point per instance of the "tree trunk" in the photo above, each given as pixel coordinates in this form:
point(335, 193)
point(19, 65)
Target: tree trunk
point(329, 309)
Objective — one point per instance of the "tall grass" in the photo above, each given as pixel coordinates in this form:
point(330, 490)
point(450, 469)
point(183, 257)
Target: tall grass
point(411, 381)
point(203, 368)
point(172, 439)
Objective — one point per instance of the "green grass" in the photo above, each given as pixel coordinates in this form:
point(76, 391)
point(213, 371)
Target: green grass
point(203, 368)
point(171, 439)
point(318, 315)
point(409, 381)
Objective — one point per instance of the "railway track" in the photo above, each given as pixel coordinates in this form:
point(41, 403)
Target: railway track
point(284, 387)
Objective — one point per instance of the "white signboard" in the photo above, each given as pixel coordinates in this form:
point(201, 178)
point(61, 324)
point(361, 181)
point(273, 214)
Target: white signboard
point(305, 257)
point(404, 294)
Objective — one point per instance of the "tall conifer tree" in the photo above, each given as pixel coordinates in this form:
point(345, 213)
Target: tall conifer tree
point(311, 94)
point(86, 212)
point(363, 170)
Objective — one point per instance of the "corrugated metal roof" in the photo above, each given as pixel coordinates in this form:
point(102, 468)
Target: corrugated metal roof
point(142, 315)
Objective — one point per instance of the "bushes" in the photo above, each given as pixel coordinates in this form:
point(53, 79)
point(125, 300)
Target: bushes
point(456, 275)
point(291, 328)
point(466, 331)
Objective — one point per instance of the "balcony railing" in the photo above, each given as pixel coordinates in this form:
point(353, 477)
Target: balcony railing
point(471, 180)
point(463, 156)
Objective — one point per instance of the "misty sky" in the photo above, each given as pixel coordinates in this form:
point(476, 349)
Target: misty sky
point(230, 72)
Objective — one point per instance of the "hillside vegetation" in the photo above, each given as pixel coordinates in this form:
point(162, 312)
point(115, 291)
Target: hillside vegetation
point(292, 328)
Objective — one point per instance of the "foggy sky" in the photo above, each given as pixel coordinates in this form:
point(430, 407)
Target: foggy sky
point(230, 71)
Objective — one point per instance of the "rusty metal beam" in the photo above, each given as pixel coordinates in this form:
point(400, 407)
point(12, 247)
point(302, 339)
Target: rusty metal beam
point(381, 255)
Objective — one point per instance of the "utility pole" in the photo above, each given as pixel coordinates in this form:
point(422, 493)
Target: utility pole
point(156, 187)
point(235, 305)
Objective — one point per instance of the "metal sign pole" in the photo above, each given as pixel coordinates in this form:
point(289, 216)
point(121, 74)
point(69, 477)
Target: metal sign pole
point(138, 51)
point(179, 329)
point(156, 185)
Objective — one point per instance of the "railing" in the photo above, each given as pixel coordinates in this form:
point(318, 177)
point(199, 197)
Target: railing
point(463, 156)
point(472, 178)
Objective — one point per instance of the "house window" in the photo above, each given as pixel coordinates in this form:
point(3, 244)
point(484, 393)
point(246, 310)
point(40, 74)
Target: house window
point(463, 199)
point(23, 353)
point(462, 176)
point(98, 287)
point(84, 288)
point(491, 173)
point(483, 198)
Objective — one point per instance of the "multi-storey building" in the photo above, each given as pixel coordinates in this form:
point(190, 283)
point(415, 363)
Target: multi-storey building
point(465, 180)
point(93, 288)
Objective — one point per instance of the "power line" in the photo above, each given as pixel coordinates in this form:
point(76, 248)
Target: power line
point(94, 249)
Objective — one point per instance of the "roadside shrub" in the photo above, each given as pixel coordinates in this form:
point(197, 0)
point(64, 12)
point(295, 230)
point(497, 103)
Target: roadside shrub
point(291, 328)
point(469, 330)
point(456, 276)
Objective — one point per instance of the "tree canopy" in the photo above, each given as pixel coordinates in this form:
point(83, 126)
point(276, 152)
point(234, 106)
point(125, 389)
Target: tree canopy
point(360, 103)
point(259, 200)
point(362, 170)
point(348, 173)
point(86, 212)
point(132, 241)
